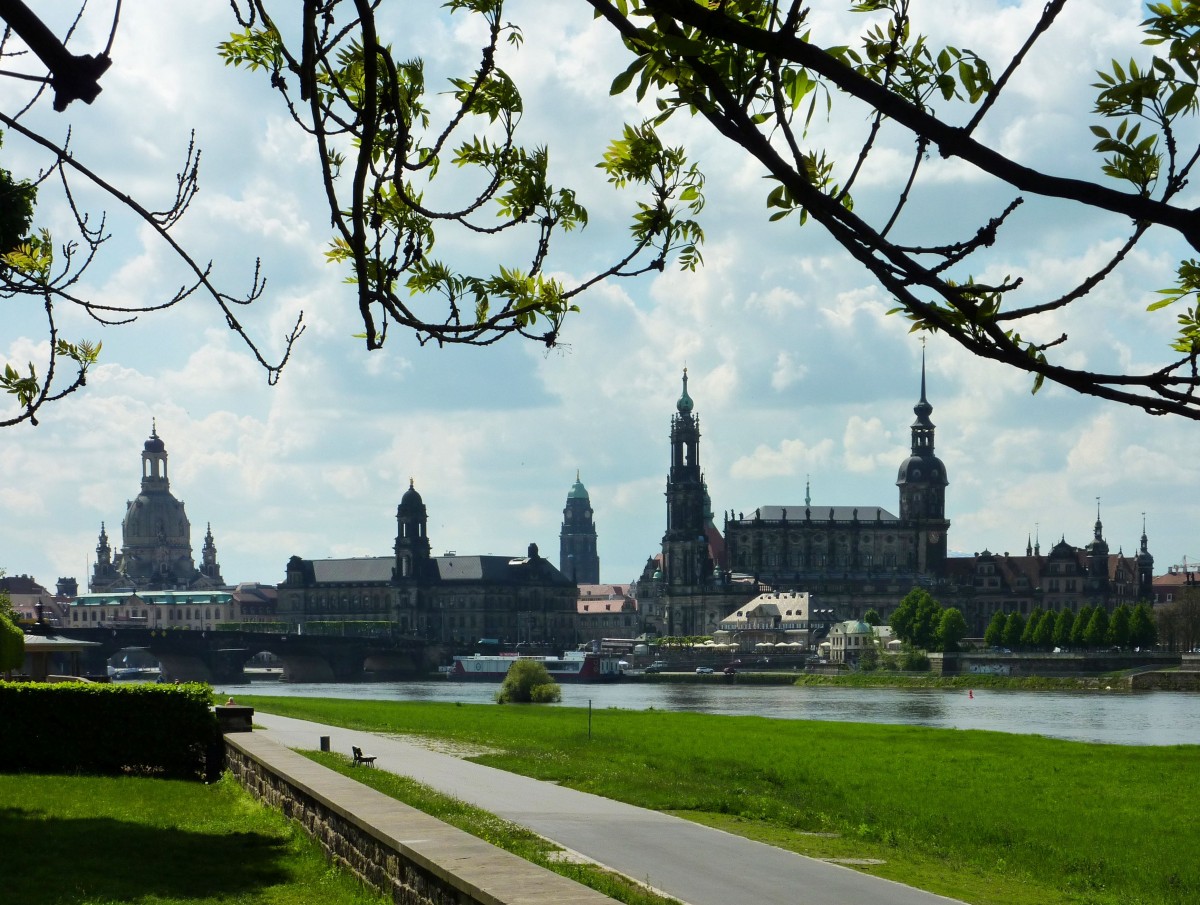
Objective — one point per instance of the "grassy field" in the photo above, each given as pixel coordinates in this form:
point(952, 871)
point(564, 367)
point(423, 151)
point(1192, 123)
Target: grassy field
point(70, 840)
point(985, 817)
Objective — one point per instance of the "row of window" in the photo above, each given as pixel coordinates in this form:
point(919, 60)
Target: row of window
point(169, 614)
point(744, 560)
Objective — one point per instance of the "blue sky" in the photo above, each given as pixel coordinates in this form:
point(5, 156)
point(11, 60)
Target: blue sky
point(795, 370)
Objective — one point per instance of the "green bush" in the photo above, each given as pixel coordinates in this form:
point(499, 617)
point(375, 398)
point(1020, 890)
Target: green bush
point(914, 661)
point(12, 645)
point(76, 727)
point(528, 682)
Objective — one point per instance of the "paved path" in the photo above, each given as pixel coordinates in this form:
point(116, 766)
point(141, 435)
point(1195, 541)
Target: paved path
point(692, 863)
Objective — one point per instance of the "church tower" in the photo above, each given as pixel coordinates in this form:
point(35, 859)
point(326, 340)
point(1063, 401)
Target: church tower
point(686, 558)
point(1145, 569)
point(577, 556)
point(922, 481)
point(209, 567)
point(1097, 554)
point(412, 542)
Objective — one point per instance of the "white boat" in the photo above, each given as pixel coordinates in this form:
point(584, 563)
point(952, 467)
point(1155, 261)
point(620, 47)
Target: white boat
point(573, 666)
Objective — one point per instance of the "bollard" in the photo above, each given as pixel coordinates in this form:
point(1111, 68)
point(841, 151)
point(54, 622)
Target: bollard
point(324, 742)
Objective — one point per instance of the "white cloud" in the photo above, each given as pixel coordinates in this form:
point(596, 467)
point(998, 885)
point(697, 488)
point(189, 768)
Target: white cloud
point(793, 367)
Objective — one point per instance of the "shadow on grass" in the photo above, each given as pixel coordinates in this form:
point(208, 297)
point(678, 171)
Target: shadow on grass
point(55, 861)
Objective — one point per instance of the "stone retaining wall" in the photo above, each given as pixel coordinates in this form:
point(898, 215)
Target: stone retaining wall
point(1166, 681)
point(393, 848)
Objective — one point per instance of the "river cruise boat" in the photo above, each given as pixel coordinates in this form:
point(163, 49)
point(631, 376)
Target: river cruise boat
point(573, 666)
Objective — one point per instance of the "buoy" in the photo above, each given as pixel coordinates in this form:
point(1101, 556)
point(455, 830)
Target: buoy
point(971, 694)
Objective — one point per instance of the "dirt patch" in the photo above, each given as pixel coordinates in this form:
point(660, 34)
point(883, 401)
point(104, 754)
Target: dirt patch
point(443, 746)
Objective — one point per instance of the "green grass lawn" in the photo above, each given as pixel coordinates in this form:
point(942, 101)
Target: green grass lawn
point(71, 840)
point(986, 817)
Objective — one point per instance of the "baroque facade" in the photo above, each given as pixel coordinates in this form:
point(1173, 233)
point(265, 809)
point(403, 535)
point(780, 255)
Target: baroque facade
point(577, 556)
point(156, 538)
point(452, 599)
point(687, 589)
point(851, 559)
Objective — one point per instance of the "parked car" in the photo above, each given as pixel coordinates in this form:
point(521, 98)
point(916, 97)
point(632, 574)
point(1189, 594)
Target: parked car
point(657, 666)
point(704, 670)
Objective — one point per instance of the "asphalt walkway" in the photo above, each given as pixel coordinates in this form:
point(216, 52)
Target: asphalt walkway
point(692, 863)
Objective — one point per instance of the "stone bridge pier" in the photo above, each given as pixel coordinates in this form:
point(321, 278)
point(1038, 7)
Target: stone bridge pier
point(223, 665)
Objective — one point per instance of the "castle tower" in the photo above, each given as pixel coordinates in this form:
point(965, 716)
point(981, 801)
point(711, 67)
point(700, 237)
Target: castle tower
point(1097, 552)
point(577, 556)
point(412, 542)
point(922, 481)
point(686, 558)
point(1145, 568)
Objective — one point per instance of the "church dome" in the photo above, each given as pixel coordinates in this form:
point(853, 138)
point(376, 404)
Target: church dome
point(685, 404)
point(922, 470)
point(154, 444)
point(411, 498)
point(578, 491)
point(153, 517)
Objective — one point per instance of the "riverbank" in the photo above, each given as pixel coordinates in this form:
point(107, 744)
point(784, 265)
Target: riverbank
point(887, 679)
point(981, 816)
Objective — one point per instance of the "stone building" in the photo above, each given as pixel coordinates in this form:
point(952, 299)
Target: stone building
point(1066, 578)
point(840, 553)
point(686, 590)
point(453, 599)
point(577, 556)
point(156, 538)
point(853, 558)
point(607, 611)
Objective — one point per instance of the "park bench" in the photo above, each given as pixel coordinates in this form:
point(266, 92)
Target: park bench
point(360, 758)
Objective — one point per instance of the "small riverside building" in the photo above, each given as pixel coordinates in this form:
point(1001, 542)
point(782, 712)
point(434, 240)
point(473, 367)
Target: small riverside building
point(772, 619)
point(847, 640)
point(126, 608)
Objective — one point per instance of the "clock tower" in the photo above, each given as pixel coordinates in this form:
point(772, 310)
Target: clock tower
point(922, 481)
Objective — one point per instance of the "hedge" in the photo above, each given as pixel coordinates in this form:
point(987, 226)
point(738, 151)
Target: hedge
point(77, 727)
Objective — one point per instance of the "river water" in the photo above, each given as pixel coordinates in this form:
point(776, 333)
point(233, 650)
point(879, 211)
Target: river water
point(1120, 718)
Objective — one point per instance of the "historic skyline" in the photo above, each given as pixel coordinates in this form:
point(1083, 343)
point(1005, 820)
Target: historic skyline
point(794, 368)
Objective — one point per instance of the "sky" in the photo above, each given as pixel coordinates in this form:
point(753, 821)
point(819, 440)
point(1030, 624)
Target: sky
point(797, 373)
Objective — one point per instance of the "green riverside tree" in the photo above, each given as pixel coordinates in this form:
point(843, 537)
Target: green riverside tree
point(1031, 627)
point(993, 636)
point(1043, 634)
point(1118, 627)
point(1142, 633)
point(1096, 632)
point(917, 618)
point(951, 629)
point(12, 639)
point(528, 682)
point(1062, 628)
point(1082, 620)
point(1014, 628)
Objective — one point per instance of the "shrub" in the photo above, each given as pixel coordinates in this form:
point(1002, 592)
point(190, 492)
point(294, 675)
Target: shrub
point(75, 727)
point(528, 682)
point(914, 661)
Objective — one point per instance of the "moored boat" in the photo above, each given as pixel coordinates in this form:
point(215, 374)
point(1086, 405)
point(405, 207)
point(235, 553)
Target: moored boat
point(573, 666)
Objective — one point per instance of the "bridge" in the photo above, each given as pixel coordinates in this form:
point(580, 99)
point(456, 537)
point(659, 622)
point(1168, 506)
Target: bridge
point(214, 655)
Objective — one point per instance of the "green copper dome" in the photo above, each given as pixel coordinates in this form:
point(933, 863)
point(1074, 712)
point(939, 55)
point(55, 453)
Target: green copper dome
point(578, 491)
point(685, 401)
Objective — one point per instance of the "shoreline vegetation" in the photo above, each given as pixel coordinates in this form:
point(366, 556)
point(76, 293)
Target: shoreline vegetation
point(887, 679)
point(984, 817)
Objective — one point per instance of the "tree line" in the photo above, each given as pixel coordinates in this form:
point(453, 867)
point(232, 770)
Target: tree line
point(921, 622)
point(1126, 628)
